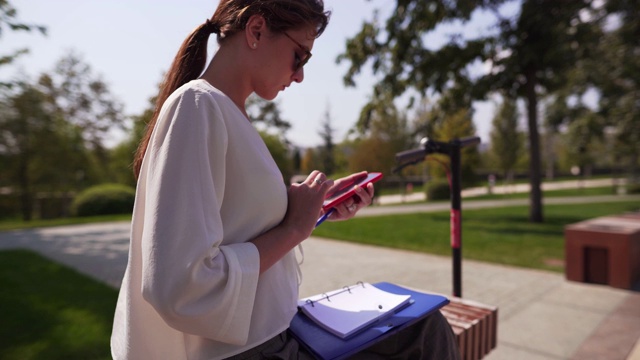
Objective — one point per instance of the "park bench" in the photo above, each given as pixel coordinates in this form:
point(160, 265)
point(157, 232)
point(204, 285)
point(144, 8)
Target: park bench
point(475, 326)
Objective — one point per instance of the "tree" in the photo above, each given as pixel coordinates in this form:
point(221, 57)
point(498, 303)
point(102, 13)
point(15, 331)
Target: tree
point(296, 160)
point(529, 55)
point(73, 93)
point(266, 112)
point(455, 126)
point(265, 116)
point(8, 21)
point(22, 122)
point(83, 99)
point(618, 78)
point(65, 115)
point(120, 166)
point(310, 161)
point(583, 137)
point(386, 134)
point(280, 152)
point(327, 151)
point(506, 140)
point(33, 141)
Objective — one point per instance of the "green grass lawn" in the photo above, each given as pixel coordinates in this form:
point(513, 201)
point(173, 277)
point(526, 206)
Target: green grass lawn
point(52, 312)
point(500, 235)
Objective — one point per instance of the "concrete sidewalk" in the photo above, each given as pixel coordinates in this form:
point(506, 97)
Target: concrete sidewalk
point(541, 315)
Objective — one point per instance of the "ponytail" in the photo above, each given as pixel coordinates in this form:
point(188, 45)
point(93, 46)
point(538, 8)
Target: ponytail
point(187, 65)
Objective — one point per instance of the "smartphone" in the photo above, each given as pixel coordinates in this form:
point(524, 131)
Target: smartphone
point(348, 191)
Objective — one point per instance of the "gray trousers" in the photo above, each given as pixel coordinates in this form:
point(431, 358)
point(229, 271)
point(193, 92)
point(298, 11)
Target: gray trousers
point(430, 338)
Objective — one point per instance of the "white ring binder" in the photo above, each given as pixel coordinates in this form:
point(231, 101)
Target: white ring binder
point(352, 308)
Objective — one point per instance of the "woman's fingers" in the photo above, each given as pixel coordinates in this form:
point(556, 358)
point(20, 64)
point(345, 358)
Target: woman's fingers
point(347, 209)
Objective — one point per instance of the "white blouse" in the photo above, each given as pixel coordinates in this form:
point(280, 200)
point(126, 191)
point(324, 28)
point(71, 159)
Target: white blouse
point(192, 288)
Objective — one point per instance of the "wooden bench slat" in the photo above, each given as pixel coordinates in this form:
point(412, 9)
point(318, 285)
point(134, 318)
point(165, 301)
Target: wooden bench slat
point(475, 326)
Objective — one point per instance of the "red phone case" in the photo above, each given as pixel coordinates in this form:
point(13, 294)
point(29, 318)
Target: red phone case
point(348, 191)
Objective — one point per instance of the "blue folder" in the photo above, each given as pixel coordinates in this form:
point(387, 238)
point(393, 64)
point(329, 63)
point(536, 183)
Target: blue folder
point(324, 345)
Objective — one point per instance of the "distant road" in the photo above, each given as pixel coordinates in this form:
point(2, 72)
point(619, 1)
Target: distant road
point(506, 189)
point(479, 204)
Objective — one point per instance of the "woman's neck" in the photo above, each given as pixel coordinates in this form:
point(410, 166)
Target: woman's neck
point(225, 73)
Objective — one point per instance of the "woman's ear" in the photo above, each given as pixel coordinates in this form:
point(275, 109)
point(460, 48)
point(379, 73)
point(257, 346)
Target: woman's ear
point(256, 27)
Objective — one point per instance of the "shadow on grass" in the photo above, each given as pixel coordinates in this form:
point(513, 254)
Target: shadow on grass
point(52, 312)
point(515, 224)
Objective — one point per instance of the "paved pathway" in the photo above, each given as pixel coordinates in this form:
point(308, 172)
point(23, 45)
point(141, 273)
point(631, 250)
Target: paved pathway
point(509, 189)
point(541, 315)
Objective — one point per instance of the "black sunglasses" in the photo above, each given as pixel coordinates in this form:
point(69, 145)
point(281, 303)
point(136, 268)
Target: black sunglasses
point(299, 62)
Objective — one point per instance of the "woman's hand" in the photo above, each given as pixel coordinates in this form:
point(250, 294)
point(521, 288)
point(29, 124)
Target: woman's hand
point(305, 203)
point(348, 208)
point(303, 211)
point(304, 208)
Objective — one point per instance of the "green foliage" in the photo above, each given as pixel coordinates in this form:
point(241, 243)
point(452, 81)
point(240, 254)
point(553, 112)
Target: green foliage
point(327, 151)
point(121, 156)
point(458, 125)
point(613, 70)
point(66, 115)
point(105, 199)
point(633, 188)
point(618, 68)
point(506, 139)
point(51, 311)
point(310, 161)
point(9, 206)
point(267, 113)
point(437, 189)
point(8, 16)
point(8, 21)
point(120, 166)
point(384, 133)
point(26, 132)
point(82, 99)
point(34, 140)
point(280, 153)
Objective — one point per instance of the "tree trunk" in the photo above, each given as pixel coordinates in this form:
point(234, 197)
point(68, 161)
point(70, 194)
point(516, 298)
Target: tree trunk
point(26, 202)
point(535, 198)
point(633, 168)
point(25, 191)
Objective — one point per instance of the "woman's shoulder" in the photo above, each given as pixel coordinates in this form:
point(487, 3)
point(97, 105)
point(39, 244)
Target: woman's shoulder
point(198, 101)
point(199, 91)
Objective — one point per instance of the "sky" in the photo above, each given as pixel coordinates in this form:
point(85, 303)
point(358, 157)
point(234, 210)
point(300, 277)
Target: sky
point(131, 43)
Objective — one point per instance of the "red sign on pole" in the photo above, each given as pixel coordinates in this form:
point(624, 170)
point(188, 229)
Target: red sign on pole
point(455, 229)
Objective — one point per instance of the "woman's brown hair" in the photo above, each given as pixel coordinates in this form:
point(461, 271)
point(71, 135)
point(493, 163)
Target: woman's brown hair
point(230, 17)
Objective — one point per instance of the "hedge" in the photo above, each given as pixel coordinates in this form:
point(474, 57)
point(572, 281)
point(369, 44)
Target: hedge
point(104, 199)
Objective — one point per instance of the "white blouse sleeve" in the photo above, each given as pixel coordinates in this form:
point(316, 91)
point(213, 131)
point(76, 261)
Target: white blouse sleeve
point(196, 284)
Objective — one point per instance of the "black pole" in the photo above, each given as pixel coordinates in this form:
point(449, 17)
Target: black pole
point(452, 149)
point(456, 208)
point(456, 218)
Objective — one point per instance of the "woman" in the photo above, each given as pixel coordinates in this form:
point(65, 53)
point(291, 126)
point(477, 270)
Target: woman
point(212, 271)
